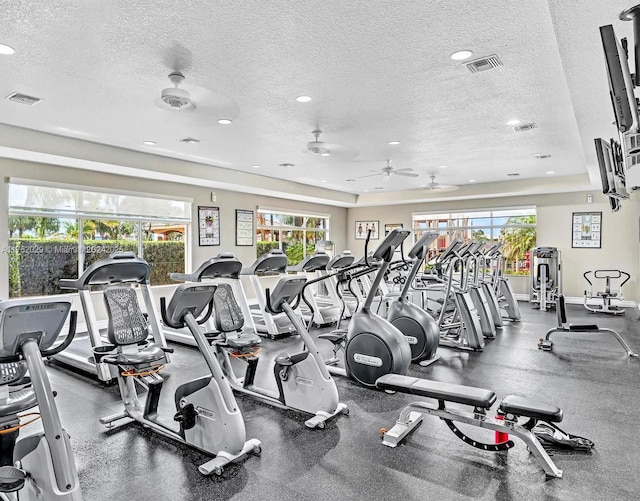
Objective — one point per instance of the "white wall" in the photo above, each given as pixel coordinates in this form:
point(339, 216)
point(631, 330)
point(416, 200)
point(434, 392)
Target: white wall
point(620, 245)
point(227, 201)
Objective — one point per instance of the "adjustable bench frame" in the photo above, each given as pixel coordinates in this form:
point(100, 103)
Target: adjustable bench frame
point(546, 344)
point(510, 410)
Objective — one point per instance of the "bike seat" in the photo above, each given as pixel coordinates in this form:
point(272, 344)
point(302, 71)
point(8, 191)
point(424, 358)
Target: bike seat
point(148, 354)
point(18, 401)
point(240, 340)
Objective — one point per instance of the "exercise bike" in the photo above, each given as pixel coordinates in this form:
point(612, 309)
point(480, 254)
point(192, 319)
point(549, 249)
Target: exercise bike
point(303, 382)
point(40, 466)
point(206, 410)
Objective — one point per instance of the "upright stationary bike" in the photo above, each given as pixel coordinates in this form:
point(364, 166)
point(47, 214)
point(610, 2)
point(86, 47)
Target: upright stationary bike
point(206, 410)
point(40, 466)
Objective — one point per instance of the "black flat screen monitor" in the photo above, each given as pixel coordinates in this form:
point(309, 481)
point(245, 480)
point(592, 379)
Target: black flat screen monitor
point(620, 83)
point(610, 162)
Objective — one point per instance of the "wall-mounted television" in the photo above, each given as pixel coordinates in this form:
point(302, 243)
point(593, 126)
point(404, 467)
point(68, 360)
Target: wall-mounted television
point(623, 99)
point(610, 162)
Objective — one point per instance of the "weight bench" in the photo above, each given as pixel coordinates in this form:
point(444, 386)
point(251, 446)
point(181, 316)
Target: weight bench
point(509, 411)
point(546, 344)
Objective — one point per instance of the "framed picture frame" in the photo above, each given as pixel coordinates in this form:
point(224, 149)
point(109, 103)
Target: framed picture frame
point(388, 228)
point(362, 227)
point(208, 226)
point(244, 228)
point(586, 230)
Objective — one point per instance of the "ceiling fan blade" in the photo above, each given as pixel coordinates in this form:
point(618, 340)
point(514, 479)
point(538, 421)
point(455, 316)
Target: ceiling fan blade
point(369, 175)
point(406, 169)
point(406, 174)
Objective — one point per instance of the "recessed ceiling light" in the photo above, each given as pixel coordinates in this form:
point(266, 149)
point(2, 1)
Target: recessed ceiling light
point(323, 181)
point(224, 121)
point(515, 121)
point(149, 143)
point(255, 166)
point(461, 55)
point(6, 50)
point(365, 191)
point(550, 172)
point(393, 143)
point(472, 180)
point(422, 185)
point(444, 166)
point(303, 99)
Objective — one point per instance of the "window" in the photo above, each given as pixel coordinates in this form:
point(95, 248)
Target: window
point(57, 232)
point(516, 227)
point(294, 233)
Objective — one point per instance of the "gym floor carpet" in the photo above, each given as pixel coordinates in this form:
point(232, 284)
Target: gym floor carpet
point(589, 376)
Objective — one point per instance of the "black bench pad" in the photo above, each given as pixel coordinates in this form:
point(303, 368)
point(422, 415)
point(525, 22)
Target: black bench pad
point(519, 406)
point(449, 392)
point(583, 327)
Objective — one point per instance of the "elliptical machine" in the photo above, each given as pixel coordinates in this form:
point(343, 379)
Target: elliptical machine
point(40, 466)
point(420, 329)
point(207, 411)
point(373, 347)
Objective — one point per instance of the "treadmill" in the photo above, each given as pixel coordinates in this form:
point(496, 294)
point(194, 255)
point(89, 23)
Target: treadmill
point(224, 268)
point(272, 263)
point(323, 310)
point(120, 268)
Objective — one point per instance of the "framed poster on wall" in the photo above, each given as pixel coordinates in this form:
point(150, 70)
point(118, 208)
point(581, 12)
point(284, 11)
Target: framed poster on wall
point(586, 230)
point(244, 227)
point(362, 227)
point(388, 228)
point(208, 226)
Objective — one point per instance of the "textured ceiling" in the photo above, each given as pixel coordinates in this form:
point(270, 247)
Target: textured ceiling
point(377, 71)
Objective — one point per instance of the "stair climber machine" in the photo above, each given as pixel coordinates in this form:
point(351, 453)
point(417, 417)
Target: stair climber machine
point(607, 295)
point(268, 324)
point(321, 313)
point(457, 316)
point(472, 280)
point(483, 279)
point(372, 345)
point(223, 271)
point(40, 466)
point(546, 277)
point(501, 285)
point(420, 329)
point(303, 382)
point(206, 411)
point(120, 268)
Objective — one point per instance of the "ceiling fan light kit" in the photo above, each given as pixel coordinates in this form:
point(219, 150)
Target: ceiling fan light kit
point(174, 98)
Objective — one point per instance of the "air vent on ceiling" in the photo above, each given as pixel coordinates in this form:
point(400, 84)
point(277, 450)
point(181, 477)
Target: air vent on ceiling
point(513, 174)
point(541, 156)
point(189, 140)
point(286, 165)
point(524, 127)
point(23, 98)
point(484, 64)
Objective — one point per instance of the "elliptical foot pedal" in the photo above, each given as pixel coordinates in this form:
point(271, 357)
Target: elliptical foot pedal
point(336, 337)
point(545, 345)
point(12, 479)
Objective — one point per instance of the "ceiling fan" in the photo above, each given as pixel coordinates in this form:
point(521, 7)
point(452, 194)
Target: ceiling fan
point(320, 148)
point(433, 186)
point(387, 171)
point(211, 105)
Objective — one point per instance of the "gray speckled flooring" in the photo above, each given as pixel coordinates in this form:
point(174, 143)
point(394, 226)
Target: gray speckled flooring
point(589, 376)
